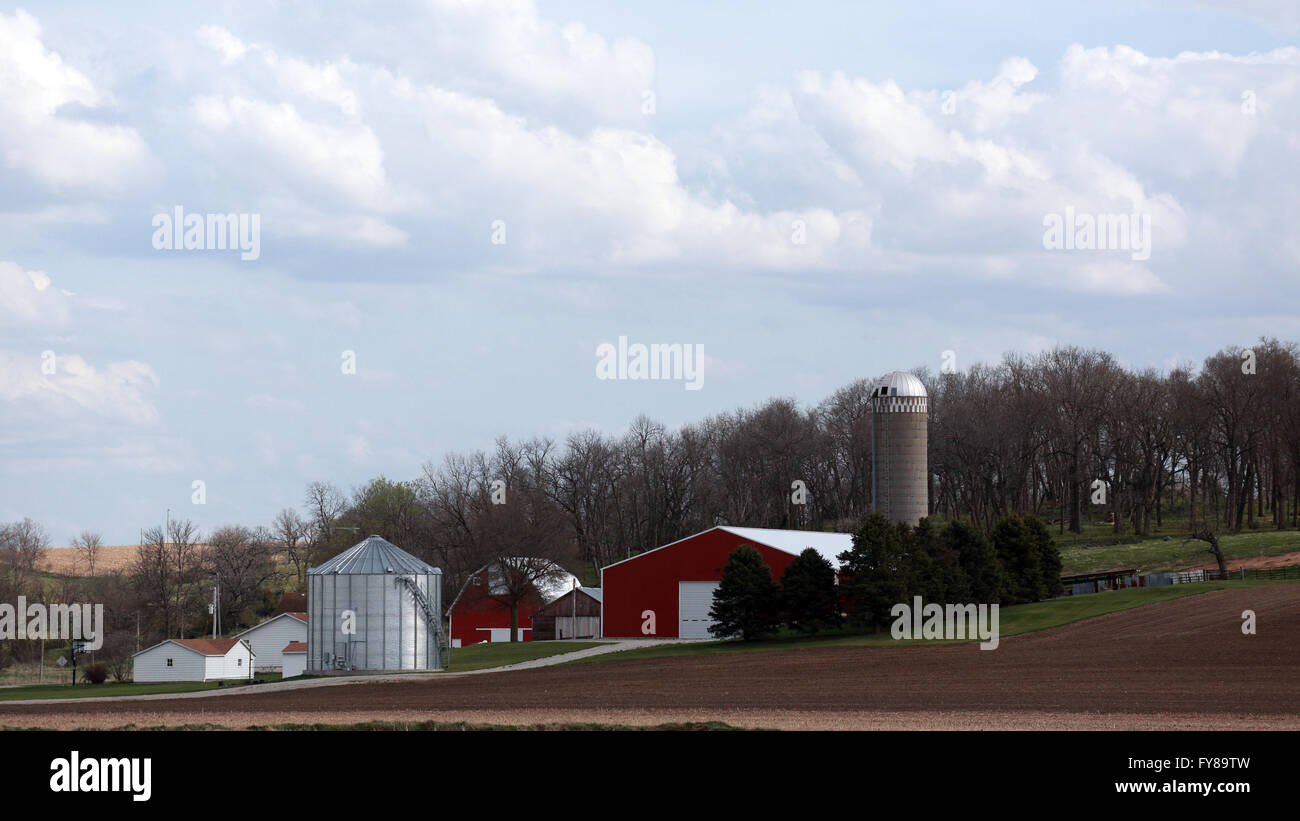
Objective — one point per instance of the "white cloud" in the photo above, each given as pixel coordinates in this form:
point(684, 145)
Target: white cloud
point(219, 39)
point(76, 389)
point(514, 54)
point(27, 299)
point(347, 160)
point(37, 137)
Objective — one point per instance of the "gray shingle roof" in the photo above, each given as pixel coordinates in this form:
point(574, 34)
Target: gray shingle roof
point(374, 555)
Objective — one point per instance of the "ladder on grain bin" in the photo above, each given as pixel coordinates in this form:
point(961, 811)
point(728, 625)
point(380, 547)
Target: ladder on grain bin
point(432, 620)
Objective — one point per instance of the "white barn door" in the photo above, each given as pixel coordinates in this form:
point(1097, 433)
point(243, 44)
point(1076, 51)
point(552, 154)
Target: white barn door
point(693, 602)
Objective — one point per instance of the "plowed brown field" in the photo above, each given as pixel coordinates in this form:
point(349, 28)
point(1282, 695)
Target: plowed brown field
point(1179, 664)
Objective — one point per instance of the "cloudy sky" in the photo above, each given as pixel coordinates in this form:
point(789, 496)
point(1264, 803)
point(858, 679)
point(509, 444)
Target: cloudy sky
point(466, 199)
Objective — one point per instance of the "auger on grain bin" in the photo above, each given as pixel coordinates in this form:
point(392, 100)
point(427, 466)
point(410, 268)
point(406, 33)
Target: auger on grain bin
point(900, 481)
point(375, 607)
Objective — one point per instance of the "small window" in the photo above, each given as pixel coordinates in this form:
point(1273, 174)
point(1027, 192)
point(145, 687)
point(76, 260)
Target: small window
point(239, 662)
point(169, 662)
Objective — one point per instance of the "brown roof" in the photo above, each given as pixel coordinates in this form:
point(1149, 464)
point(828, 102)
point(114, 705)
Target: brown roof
point(292, 603)
point(209, 647)
point(295, 647)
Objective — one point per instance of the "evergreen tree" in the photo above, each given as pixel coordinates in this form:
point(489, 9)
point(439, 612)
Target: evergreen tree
point(1049, 557)
point(809, 595)
point(746, 602)
point(978, 560)
point(1022, 573)
point(879, 571)
point(939, 563)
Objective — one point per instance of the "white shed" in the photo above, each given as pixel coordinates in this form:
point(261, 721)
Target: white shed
point(269, 638)
point(295, 659)
point(194, 660)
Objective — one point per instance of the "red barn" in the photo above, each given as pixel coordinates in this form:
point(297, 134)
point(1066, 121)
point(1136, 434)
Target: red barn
point(667, 592)
point(481, 612)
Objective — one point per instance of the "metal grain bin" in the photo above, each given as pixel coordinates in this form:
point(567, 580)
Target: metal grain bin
point(374, 607)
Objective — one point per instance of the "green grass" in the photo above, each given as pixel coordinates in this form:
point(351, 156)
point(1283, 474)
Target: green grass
point(119, 688)
point(1155, 554)
point(498, 654)
point(1012, 621)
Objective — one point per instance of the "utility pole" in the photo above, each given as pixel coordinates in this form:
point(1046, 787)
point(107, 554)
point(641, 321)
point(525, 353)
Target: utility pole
point(180, 629)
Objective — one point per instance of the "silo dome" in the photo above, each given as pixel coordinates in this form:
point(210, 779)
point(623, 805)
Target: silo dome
point(899, 383)
point(374, 607)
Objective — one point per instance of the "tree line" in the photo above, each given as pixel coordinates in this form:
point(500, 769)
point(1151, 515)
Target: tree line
point(1065, 436)
point(889, 563)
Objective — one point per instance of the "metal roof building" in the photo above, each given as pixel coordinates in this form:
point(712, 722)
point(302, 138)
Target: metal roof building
point(374, 607)
point(668, 591)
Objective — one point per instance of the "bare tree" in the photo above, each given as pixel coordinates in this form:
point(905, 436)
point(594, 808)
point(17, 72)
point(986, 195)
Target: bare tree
point(22, 547)
point(239, 561)
point(154, 578)
point(1204, 533)
point(90, 545)
point(292, 534)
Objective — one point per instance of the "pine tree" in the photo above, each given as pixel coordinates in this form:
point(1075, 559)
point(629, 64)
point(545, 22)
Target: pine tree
point(939, 563)
point(1049, 557)
point(808, 593)
point(1022, 573)
point(979, 562)
point(880, 570)
point(746, 602)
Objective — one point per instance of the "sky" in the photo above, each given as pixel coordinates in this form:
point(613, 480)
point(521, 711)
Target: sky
point(457, 204)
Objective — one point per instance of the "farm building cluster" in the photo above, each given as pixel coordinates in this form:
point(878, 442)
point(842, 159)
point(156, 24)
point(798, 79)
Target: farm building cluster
point(376, 607)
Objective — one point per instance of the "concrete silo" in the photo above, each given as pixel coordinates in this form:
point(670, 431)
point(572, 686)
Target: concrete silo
point(374, 607)
point(900, 482)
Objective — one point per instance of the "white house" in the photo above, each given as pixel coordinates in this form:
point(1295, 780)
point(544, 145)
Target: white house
point(194, 660)
point(295, 659)
point(269, 638)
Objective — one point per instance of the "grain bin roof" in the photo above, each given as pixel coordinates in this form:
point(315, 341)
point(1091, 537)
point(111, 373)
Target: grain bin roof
point(373, 555)
point(899, 383)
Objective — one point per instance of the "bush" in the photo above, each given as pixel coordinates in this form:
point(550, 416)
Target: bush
point(96, 673)
point(746, 602)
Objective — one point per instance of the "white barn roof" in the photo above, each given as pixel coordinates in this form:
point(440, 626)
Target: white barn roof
point(794, 542)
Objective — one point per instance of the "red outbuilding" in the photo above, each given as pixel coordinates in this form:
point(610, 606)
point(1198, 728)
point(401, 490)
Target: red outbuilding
point(667, 592)
point(481, 611)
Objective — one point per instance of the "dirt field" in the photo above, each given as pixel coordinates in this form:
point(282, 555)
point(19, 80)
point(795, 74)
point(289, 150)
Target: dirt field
point(69, 561)
point(1183, 664)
